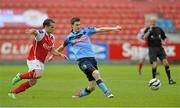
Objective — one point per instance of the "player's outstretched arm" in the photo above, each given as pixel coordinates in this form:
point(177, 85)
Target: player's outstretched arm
point(57, 53)
point(31, 31)
point(106, 29)
point(58, 50)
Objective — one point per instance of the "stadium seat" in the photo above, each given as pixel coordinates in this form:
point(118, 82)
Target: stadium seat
point(128, 14)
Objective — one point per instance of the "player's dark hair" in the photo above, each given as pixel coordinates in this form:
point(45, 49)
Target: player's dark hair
point(47, 22)
point(74, 19)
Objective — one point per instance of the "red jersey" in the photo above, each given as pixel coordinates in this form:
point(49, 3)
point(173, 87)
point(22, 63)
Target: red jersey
point(42, 44)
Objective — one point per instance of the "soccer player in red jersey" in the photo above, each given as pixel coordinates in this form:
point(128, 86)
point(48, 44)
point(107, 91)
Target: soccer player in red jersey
point(144, 49)
point(42, 44)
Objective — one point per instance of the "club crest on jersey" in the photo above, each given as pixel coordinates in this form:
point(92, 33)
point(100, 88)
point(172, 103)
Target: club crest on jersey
point(46, 46)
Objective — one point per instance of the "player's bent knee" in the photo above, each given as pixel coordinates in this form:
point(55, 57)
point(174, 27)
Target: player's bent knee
point(38, 74)
point(165, 62)
point(96, 73)
point(38, 77)
point(32, 82)
point(154, 65)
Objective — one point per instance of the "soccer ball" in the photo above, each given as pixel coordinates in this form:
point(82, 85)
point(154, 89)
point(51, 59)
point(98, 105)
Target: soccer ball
point(154, 84)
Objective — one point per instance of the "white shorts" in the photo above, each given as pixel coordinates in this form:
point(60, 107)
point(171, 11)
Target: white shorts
point(143, 53)
point(35, 64)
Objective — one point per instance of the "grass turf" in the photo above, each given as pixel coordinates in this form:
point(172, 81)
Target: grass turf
point(59, 83)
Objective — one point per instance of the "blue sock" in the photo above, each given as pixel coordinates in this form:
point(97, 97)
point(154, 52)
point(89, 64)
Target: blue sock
point(102, 86)
point(85, 92)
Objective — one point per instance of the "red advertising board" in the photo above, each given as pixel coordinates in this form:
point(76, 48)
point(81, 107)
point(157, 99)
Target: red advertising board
point(127, 51)
point(16, 49)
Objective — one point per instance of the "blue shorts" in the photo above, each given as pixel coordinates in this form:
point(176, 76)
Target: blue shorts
point(88, 65)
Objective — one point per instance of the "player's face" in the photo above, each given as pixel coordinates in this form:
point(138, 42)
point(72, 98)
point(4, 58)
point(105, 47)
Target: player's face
point(152, 22)
point(76, 26)
point(50, 28)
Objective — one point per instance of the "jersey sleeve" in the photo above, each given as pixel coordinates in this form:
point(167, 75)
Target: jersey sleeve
point(163, 36)
point(40, 34)
point(90, 31)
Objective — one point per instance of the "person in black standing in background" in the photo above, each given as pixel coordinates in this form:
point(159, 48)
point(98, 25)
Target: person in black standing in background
point(155, 37)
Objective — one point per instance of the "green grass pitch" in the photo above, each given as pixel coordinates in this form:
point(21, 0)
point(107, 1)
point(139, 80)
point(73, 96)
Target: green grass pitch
point(59, 83)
